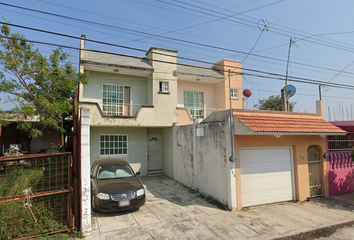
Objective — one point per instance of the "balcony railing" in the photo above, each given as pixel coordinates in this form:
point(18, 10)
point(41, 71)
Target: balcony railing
point(121, 110)
point(202, 113)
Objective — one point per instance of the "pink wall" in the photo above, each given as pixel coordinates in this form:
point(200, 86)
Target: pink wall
point(340, 173)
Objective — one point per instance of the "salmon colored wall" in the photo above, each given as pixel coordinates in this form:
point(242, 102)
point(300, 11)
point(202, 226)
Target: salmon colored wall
point(300, 145)
point(223, 89)
point(183, 117)
point(208, 89)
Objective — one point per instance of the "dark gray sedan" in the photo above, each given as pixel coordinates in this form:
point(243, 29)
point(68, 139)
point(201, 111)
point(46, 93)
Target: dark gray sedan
point(115, 186)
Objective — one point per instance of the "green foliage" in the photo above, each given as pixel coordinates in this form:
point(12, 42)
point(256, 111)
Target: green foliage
point(54, 148)
point(17, 220)
point(19, 180)
point(39, 86)
point(50, 211)
point(273, 103)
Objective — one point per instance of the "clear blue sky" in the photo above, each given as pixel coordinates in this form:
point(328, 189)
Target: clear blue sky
point(322, 29)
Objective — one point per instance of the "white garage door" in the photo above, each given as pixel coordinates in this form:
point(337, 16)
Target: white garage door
point(266, 175)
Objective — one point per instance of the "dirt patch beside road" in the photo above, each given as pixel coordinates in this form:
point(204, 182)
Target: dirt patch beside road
point(322, 232)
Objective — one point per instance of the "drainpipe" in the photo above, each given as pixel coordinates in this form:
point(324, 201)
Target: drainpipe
point(195, 173)
point(232, 157)
point(231, 169)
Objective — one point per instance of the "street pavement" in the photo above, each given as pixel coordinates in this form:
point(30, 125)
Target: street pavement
point(173, 211)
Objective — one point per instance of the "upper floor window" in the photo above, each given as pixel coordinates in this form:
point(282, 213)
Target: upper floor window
point(113, 144)
point(194, 101)
point(163, 87)
point(115, 100)
point(234, 93)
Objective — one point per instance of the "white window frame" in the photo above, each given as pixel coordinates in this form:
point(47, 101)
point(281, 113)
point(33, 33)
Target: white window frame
point(163, 87)
point(111, 144)
point(197, 109)
point(234, 93)
point(113, 107)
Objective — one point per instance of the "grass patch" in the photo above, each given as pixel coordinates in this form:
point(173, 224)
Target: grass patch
point(34, 215)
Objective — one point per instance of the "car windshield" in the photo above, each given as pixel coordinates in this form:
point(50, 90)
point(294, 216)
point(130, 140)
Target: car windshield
point(110, 172)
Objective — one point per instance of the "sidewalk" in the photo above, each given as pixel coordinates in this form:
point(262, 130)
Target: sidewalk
point(175, 212)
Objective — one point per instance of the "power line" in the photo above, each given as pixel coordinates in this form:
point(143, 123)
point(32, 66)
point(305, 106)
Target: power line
point(174, 39)
point(281, 32)
point(273, 75)
point(218, 17)
point(141, 50)
point(159, 36)
point(340, 72)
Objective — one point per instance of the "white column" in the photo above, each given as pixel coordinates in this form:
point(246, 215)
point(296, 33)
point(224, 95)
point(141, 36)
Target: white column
point(85, 173)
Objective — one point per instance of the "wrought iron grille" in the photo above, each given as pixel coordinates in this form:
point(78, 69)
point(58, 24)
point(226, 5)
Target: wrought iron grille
point(315, 172)
point(341, 143)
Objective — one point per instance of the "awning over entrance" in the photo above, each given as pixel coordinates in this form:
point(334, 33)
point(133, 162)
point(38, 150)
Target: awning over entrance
point(275, 125)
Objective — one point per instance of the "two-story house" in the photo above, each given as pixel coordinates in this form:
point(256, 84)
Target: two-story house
point(134, 102)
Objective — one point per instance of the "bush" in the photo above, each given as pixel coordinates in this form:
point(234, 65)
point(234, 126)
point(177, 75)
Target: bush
point(30, 215)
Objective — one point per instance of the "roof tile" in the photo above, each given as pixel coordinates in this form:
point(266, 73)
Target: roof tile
point(260, 123)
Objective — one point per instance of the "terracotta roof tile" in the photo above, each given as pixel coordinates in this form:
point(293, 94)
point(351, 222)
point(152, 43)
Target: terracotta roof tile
point(288, 124)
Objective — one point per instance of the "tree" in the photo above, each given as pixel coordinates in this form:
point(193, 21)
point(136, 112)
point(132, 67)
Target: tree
point(39, 86)
point(273, 103)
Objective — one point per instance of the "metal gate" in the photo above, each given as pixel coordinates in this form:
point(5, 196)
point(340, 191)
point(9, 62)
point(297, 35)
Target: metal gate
point(315, 171)
point(35, 195)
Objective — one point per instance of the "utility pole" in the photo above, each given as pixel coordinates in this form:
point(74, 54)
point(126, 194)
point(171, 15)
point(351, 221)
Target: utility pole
point(284, 91)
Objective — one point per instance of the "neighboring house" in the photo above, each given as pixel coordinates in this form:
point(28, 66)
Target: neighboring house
point(280, 157)
point(164, 116)
point(134, 102)
point(11, 135)
point(340, 164)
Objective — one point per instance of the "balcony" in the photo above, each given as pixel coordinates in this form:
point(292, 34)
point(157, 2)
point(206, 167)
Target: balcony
point(120, 110)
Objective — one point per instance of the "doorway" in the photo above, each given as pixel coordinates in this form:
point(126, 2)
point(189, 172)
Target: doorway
point(315, 171)
point(155, 152)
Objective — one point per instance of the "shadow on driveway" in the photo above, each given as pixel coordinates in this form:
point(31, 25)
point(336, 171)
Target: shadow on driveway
point(173, 211)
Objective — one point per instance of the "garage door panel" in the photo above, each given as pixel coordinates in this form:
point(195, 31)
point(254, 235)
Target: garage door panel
point(266, 176)
point(282, 153)
point(265, 167)
point(266, 181)
point(265, 199)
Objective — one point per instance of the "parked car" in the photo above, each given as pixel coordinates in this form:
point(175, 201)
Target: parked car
point(115, 186)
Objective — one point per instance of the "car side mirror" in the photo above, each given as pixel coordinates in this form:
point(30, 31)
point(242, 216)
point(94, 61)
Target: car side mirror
point(137, 173)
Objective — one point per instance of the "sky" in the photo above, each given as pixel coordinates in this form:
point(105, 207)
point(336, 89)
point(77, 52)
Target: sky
point(256, 32)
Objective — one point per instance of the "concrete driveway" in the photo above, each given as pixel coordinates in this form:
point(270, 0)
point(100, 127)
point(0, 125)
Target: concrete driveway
point(175, 212)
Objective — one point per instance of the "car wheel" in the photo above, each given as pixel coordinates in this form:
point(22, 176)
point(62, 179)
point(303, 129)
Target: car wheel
point(93, 203)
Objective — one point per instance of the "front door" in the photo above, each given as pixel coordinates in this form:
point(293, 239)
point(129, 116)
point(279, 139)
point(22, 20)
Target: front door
point(155, 152)
point(315, 171)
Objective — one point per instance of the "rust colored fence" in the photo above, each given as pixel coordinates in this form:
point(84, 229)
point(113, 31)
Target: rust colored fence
point(35, 195)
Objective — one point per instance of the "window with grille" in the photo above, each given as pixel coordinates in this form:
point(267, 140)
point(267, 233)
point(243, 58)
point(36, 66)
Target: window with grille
point(113, 144)
point(194, 101)
point(341, 143)
point(233, 93)
point(163, 87)
point(113, 100)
